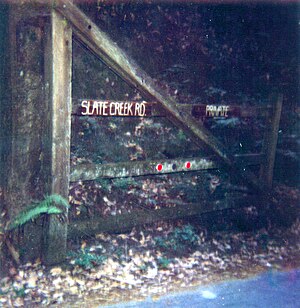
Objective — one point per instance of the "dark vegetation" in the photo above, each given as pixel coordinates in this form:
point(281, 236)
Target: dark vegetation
point(227, 53)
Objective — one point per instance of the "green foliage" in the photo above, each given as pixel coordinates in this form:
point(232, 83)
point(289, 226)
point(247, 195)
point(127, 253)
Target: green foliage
point(2, 292)
point(186, 235)
point(86, 259)
point(143, 268)
point(119, 252)
point(181, 135)
point(163, 262)
point(105, 183)
point(180, 240)
point(20, 292)
point(161, 242)
point(48, 206)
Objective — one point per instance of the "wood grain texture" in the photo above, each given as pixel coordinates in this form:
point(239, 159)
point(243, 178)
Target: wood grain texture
point(26, 176)
point(270, 141)
point(58, 82)
point(125, 222)
point(86, 172)
point(196, 110)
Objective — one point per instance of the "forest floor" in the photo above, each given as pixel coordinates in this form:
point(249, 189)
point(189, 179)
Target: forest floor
point(154, 260)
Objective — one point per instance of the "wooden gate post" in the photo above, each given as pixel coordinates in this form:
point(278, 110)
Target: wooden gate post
point(40, 43)
point(58, 60)
point(26, 123)
point(270, 141)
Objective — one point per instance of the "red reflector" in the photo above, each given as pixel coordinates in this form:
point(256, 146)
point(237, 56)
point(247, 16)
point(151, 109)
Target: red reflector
point(187, 165)
point(159, 167)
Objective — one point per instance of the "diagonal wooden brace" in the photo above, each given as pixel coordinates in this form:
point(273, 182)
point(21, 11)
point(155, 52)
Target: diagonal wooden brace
point(116, 59)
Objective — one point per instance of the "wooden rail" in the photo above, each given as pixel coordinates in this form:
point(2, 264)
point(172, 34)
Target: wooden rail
point(124, 222)
point(87, 172)
point(153, 109)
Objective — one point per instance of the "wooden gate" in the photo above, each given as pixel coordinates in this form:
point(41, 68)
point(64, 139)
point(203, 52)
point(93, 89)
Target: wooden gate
point(45, 169)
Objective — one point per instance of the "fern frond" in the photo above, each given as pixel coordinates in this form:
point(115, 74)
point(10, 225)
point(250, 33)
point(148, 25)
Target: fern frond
point(47, 206)
point(57, 199)
point(30, 214)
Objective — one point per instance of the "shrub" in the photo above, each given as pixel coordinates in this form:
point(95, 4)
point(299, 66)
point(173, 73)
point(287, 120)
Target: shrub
point(180, 240)
point(86, 259)
point(163, 262)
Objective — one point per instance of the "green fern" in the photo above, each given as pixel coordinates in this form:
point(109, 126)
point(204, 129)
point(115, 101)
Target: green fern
point(47, 206)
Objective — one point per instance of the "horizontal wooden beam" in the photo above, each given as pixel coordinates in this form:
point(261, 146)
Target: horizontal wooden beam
point(87, 172)
point(226, 111)
point(90, 107)
point(124, 222)
point(138, 217)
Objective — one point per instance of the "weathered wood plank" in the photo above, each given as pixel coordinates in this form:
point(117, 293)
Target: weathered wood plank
point(103, 47)
point(270, 141)
point(153, 109)
point(58, 59)
point(26, 123)
point(200, 111)
point(86, 172)
point(88, 107)
point(124, 222)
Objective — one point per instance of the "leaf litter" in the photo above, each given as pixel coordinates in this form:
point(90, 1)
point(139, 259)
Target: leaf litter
point(111, 268)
